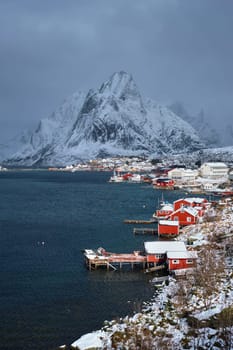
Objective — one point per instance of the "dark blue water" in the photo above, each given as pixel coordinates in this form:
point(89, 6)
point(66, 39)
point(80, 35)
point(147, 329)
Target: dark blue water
point(47, 296)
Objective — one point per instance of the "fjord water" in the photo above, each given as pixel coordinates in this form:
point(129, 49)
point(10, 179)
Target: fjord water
point(47, 296)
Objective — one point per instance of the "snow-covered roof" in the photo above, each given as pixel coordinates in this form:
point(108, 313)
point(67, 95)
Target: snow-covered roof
point(167, 207)
point(195, 200)
point(162, 247)
point(198, 208)
point(169, 222)
point(191, 200)
point(190, 210)
point(216, 164)
point(182, 255)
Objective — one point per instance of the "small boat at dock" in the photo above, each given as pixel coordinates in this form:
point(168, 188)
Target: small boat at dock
point(116, 177)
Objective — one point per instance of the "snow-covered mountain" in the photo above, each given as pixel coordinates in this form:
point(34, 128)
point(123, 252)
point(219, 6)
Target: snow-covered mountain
point(14, 144)
point(206, 131)
point(113, 120)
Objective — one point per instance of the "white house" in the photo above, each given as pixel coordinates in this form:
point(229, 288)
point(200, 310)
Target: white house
point(214, 170)
point(183, 175)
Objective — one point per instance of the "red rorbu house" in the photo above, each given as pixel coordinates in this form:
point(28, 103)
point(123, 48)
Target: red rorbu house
point(185, 216)
point(190, 202)
point(168, 228)
point(181, 260)
point(156, 251)
point(164, 183)
point(172, 253)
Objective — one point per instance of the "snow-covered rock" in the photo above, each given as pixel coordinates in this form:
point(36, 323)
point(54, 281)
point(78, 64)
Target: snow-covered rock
point(94, 340)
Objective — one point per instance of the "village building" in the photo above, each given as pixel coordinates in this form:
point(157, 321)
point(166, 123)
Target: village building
point(183, 175)
point(156, 251)
point(168, 228)
point(163, 183)
point(172, 253)
point(209, 186)
point(181, 260)
point(190, 202)
point(214, 170)
point(185, 216)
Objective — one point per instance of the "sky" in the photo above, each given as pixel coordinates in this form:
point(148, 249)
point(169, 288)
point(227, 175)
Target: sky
point(176, 50)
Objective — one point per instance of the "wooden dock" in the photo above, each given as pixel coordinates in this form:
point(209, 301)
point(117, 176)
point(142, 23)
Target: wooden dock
point(95, 259)
point(145, 231)
point(146, 222)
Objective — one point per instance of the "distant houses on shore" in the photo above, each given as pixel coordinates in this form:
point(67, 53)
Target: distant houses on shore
point(209, 177)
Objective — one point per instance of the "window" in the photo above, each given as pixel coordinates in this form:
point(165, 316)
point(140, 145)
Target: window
point(189, 261)
point(176, 218)
point(159, 256)
point(175, 262)
point(189, 219)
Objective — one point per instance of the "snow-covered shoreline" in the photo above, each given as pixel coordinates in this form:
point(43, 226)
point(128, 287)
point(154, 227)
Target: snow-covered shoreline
point(175, 320)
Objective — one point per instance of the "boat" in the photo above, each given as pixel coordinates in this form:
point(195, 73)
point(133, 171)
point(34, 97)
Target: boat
point(163, 212)
point(135, 178)
point(116, 177)
point(164, 209)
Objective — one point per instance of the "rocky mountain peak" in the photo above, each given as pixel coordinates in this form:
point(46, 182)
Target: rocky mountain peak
point(111, 120)
point(121, 85)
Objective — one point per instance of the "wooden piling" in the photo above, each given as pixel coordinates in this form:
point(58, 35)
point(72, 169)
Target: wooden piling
point(145, 231)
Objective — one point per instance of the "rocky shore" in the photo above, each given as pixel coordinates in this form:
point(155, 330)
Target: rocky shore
point(195, 311)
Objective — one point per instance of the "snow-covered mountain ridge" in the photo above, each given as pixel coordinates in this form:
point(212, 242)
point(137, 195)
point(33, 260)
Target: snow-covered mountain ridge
point(110, 121)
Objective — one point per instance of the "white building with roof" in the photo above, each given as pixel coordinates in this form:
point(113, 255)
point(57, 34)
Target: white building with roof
point(214, 170)
point(183, 175)
point(162, 247)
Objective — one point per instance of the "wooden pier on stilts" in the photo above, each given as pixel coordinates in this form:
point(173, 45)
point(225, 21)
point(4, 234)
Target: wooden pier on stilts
point(100, 257)
point(146, 222)
point(145, 231)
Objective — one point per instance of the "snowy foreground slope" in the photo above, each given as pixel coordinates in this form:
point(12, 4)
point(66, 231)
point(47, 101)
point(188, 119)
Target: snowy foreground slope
point(195, 312)
point(112, 120)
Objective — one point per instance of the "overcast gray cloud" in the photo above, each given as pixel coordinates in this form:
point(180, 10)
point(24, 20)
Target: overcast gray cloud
point(175, 50)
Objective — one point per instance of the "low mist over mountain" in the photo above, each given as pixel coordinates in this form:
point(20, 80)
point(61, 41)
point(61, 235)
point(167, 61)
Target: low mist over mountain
point(113, 120)
point(228, 135)
point(207, 133)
